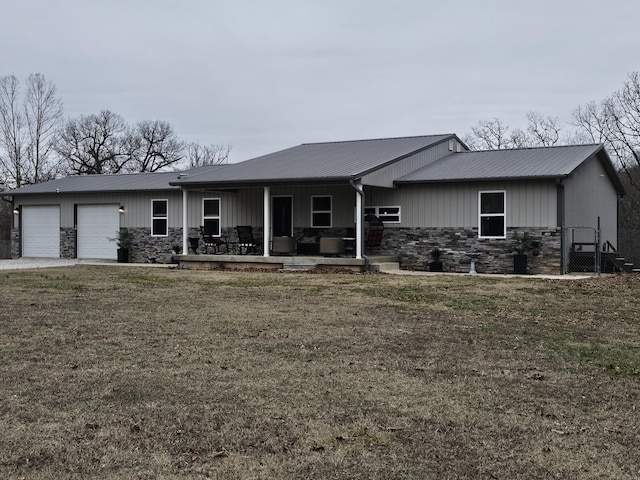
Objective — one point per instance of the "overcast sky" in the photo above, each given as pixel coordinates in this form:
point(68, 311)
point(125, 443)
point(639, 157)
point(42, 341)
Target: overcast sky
point(263, 75)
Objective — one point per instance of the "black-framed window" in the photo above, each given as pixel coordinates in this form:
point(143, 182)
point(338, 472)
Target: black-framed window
point(211, 215)
point(492, 214)
point(321, 211)
point(159, 218)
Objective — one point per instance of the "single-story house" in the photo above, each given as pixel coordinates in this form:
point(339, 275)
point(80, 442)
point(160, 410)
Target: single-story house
point(429, 191)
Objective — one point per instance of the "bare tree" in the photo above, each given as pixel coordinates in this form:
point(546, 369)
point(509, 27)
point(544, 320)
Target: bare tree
point(152, 146)
point(493, 134)
point(489, 135)
point(199, 155)
point(542, 131)
point(615, 121)
point(12, 141)
point(43, 116)
point(94, 144)
point(28, 128)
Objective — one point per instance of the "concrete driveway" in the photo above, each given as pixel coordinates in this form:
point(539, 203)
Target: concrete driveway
point(21, 263)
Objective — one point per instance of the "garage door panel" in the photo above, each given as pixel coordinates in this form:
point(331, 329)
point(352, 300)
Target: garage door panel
point(97, 224)
point(41, 231)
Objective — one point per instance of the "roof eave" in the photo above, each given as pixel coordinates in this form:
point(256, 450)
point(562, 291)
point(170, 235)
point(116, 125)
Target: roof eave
point(17, 193)
point(265, 182)
point(482, 179)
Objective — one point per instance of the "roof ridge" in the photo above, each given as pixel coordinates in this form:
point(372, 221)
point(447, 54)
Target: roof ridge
point(383, 138)
point(494, 150)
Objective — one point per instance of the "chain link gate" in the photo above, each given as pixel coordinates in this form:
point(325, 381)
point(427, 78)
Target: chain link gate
point(584, 249)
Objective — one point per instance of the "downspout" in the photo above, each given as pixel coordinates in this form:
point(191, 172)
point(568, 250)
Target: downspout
point(561, 207)
point(185, 223)
point(619, 200)
point(360, 223)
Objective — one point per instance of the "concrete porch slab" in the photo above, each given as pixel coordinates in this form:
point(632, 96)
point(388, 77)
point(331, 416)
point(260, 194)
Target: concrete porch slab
point(295, 262)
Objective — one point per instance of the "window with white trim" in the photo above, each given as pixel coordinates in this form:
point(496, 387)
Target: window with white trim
point(159, 218)
point(321, 211)
point(211, 215)
point(492, 214)
point(386, 214)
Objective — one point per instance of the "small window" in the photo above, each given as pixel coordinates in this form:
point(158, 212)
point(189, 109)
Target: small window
point(386, 214)
point(159, 218)
point(211, 215)
point(321, 211)
point(492, 215)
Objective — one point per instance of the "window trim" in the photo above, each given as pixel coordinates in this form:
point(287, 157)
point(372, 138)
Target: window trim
point(219, 217)
point(165, 217)
point(384, 216)
point(483, 215)
point(330, 211)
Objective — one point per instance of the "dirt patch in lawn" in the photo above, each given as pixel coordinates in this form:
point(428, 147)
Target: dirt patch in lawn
point(134, 373)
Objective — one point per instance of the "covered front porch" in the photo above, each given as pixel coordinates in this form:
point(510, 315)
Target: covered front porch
point(316, 220)
point(293, 262)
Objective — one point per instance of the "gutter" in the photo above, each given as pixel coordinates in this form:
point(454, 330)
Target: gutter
point(367, 266)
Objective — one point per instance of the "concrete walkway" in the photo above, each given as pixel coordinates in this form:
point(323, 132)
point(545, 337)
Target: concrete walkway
point(26, 263)
point(570, 276)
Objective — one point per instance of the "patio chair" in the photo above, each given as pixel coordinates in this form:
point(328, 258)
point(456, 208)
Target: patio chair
point(212, 241)
point(374, 228)
point(247, 242)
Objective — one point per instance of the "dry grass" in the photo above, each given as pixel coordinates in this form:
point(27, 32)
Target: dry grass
point(132, 373)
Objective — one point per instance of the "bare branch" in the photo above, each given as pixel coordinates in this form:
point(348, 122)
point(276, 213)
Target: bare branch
point(199, 155)
point(94, 144)
point(615, 121)
point(491, 135)
point(43, 115)
point(543, 131)
point(12, 141)
point(153, 146)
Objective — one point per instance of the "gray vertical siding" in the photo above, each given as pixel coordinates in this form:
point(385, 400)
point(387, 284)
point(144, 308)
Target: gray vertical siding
point(245, 207)
point(137, 205)
point(583, 210)
point(529, 204)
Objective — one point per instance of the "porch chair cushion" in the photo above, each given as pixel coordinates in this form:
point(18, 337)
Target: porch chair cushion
point(331, 246)
point(283, 245)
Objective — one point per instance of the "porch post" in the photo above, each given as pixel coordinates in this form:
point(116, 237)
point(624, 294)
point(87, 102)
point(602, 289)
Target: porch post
point(266, 229)
point(359, 218)
point(185, 227)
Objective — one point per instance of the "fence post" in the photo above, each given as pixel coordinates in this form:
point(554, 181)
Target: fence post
point(597, 252)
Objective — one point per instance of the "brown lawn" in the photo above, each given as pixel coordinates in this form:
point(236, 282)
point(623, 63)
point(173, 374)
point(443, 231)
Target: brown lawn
point(111, 372)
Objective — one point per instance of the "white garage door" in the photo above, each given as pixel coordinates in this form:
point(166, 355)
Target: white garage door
point(96, 225)
point(41, 231)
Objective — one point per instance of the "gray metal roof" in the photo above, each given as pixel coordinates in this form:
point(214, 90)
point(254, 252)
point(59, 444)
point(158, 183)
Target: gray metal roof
point(525, 163)
point(345, 160)
point(316, 161)
point(137, 182)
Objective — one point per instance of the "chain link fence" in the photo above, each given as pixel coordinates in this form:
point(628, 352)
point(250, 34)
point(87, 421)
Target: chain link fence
point(593, 250)
point(629, 246)
point(583, 248)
